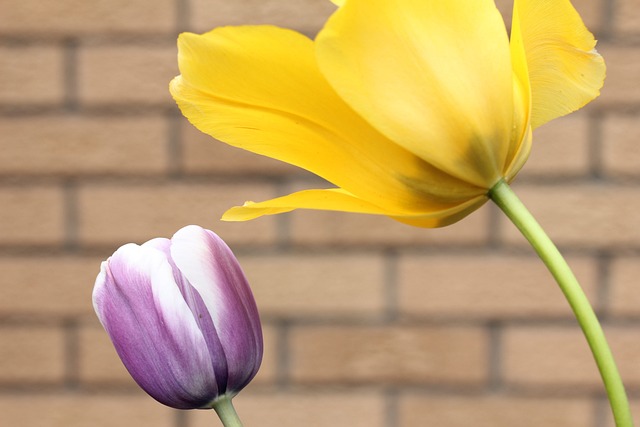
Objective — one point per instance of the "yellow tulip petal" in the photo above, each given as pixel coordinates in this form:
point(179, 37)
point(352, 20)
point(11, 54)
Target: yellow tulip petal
point(259, 88)
point(334, 199)
point(443, 219)
point(565, 70)
point(432, 75)
point(337, 199)
point(522, 101)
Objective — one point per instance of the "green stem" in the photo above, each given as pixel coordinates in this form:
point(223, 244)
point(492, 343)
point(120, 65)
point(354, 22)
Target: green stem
point(506, 199)
point(227, 413)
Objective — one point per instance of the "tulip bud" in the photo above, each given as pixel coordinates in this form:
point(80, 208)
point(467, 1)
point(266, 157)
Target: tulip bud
point(182, 318)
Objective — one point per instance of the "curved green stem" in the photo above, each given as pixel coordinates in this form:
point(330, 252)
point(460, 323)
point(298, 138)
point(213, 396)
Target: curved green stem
point(506, 199)
point(227, 413)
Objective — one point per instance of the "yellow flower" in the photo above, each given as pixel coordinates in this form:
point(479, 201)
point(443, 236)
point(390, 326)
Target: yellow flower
point(413, 109)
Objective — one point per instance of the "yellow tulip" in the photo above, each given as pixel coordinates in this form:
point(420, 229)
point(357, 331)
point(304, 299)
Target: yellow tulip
point(413, 109)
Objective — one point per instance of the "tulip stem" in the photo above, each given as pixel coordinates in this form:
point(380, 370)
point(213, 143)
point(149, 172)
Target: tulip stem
point(511, 205)
point(227, 413)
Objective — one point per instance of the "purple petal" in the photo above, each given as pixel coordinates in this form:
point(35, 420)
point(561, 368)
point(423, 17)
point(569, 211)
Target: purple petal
point(200, 314)
point(152, 328)
point(212, 269)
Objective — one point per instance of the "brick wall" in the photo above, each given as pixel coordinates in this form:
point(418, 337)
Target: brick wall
point(367, 322)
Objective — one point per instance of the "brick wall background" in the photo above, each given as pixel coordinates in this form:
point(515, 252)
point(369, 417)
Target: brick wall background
point(367, 322)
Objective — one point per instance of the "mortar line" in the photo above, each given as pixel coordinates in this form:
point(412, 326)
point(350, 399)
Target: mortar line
point(72, 354)
point(283, 225)
point(495, 350)
point(601, 411)
point(174, 146)
point(181, 418)
point(496, 229)
point(71, 216)
point(391, 416)
point(603, 283)
point(595, 148)
point(608, 21)
point(183, 15)
point(390, 286)
point(70, 75)
point(283, 357)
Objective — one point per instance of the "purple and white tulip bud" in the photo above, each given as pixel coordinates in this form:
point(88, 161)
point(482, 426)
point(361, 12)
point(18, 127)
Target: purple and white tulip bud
point(182, 317)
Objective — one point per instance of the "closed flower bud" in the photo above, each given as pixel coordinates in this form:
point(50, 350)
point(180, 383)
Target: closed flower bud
point(182, 318)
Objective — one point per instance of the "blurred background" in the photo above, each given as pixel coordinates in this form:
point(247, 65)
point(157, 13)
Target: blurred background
point(367, 322)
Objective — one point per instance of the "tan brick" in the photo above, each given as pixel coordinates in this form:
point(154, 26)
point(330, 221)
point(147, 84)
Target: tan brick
point(337, 409)
point(307, 16)
point(623, 68)
point(560, 357)
point(550, 356)
point(317, 285)
point(485, 286)
point(31, 75)
point(412, 355)
point(620, 152)
point(47, 286)
point(80, 411)
point(505, 7)
point(581, 215)
point(90, 148)
point(31, 215)
point(268, 373)
point(456, 411)
point(560, 147)
point(624, 298)
point(71, 17)
point(116, 214)
point(71, 145)
point(204, 155)
point(126, 74)
point(624, 345)
point(627, 17)
point(99, 363)
point(31, 354)
point(310, 227)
